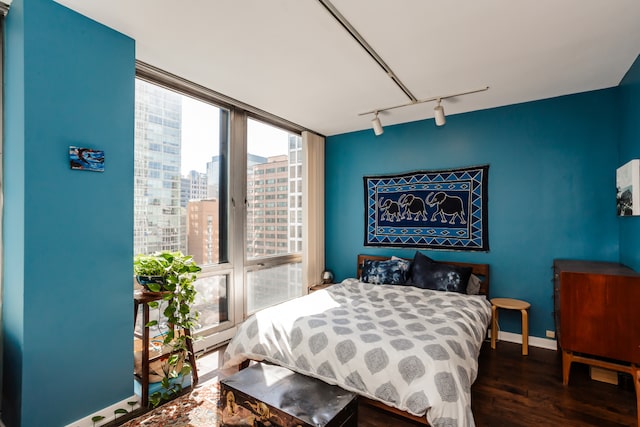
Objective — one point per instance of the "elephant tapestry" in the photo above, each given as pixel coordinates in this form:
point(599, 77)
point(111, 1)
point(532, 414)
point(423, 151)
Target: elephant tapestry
point(444, 209)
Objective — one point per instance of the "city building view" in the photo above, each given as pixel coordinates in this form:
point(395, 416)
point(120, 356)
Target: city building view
point(180, 211)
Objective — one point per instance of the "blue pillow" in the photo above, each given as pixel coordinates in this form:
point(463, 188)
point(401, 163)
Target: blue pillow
point(419, 267)
point(428, 274)
point(390, 272)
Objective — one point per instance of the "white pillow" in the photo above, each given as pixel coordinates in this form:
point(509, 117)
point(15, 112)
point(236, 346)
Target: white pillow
point(473, 285)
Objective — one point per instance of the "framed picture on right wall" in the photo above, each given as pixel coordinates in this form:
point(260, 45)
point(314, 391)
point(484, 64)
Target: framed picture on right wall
point(628, 188)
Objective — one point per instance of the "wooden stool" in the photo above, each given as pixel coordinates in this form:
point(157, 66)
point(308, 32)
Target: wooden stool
point(510, 304)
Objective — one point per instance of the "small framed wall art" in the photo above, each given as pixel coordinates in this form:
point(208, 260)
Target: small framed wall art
point(628, 188)
point(86, 159)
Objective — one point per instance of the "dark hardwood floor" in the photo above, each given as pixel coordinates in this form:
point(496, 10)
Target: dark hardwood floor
point(528, 390)
point(514, 390)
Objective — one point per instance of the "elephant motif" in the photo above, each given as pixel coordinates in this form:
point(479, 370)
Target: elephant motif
point(448, 206)
point(391, 210)
point(414, 208)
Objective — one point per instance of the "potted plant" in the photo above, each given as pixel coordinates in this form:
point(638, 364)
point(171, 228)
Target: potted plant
point(151, 270)
point(173, 274)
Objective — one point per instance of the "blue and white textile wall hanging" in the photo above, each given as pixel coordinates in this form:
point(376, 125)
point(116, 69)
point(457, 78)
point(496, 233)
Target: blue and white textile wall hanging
point(440, 209)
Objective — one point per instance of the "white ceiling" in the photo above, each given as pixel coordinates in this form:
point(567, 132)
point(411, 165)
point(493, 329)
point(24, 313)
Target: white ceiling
point(293, 59)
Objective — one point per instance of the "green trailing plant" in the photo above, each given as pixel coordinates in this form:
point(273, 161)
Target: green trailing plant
point(120, 411)
point(97, 419)
point(179, 273)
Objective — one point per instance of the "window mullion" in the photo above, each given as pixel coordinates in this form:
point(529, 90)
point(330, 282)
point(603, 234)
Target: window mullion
point(237, 209)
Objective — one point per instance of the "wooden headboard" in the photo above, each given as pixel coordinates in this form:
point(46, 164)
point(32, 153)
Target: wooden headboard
point(480, 270)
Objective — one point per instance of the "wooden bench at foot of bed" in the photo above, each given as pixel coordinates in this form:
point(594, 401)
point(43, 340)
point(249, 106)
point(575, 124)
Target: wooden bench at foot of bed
point(273, 395)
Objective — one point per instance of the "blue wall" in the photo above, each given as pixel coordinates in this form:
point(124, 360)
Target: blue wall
point(68, 235)
point(629, 110)
point(551, 189)
point(67, 307)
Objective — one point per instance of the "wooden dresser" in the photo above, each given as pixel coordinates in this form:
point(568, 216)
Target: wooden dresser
point(597, 310)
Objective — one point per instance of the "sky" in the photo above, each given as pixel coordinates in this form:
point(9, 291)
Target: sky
point(200, 136)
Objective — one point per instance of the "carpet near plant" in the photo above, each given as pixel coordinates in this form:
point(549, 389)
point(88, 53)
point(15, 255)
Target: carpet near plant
point(198, 408)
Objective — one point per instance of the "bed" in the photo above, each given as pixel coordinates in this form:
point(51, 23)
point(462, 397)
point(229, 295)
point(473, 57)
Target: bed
point(408, 350)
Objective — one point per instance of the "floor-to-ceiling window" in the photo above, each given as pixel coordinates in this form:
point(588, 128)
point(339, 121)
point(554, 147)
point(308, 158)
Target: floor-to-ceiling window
point(274, 215)
point(210, 175)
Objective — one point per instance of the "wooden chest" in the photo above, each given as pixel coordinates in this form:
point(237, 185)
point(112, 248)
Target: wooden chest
point(269, 395)
point(597, 309)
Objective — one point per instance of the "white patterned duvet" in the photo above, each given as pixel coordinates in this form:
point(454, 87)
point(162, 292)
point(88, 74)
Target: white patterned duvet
point(410, 348)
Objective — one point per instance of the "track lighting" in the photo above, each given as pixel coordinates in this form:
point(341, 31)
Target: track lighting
point(375, 123)
point(438, 114)
point(438, 111)
point(377, 126)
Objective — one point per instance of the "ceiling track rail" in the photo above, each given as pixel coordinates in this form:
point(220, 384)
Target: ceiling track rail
point(367, 47)
point(421, 101)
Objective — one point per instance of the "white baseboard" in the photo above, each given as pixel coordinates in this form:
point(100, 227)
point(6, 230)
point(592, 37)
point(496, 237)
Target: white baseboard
point(107, 413)
point(533, 341)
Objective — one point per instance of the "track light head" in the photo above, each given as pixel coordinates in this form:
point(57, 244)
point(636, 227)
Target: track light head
point(438, 114)
point(438, 111)
point(377, 126)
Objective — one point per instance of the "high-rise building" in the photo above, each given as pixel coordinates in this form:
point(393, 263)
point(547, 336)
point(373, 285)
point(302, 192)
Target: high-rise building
point(193, 187)
point(203, 231)
point(213, 178)
point(295, 193)
point(267, 208)
point(274, 202)
point(178, 213)
point(213, 173)
point(160, 222)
